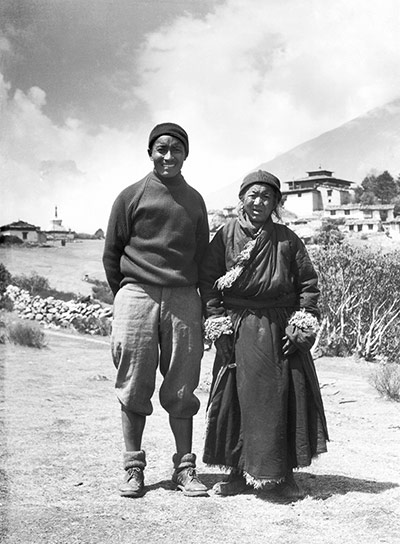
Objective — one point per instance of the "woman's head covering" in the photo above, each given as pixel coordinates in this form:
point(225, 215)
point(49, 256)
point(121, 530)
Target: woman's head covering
point(170, 129)
point(263, 177)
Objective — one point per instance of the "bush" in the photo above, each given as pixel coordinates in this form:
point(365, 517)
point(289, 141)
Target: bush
point(34, 283)
point(6, 239)
point(360, 300)
point(6, 303)
point(26, 334)
point(329, 233)
point(3, 333)
point(5, 278)
point(37, 285)
point(386, 380)
point(101, 291)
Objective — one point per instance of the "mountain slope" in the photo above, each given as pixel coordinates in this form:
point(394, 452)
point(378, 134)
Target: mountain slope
point(369, 142)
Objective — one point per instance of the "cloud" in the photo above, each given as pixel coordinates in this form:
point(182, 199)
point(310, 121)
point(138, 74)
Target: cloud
point(250, 80)
point(44, 164)
point(256, 78)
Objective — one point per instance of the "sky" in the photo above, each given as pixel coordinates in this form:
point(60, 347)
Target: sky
point(83, 82)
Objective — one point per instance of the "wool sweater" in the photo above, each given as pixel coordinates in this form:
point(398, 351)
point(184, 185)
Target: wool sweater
point(157, 234)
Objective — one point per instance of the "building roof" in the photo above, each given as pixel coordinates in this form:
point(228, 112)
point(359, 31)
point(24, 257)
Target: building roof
point(319, 171)
point(360, 207)
point(19, 225)
point(321, 176)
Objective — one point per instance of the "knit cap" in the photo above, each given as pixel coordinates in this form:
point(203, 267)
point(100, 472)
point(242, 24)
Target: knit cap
point(170, 129)
point(261, 176)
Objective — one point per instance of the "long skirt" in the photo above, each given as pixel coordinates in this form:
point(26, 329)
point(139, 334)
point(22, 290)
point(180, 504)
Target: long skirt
point(265, 413)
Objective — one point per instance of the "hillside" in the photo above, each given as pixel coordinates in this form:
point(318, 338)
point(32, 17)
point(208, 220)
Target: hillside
point(369, 142)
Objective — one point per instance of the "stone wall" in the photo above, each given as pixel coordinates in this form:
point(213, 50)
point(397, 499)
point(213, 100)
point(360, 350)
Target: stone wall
point(88, 316)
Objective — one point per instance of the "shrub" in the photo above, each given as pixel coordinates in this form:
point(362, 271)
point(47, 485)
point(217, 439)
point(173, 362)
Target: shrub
point(102, 292)
point(390, 345)
point(329, 233)
point(6, 239)
point(37, 285)
point(34, 283)
point(360, 299)
point(26, 334)
point(386, 380)
point(5, 278)
point(3, 333)
point(6, 303)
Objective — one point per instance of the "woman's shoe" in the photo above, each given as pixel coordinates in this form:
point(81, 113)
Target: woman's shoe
point(233, 485)
point(288, 489)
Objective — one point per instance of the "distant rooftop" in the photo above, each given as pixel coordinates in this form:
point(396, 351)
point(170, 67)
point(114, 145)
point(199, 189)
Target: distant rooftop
point(16, 225)
point(316, 178)
point(361, 207)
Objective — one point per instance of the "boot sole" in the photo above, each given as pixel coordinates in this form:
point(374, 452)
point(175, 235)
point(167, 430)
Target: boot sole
point(192, 493)
point(132, 494)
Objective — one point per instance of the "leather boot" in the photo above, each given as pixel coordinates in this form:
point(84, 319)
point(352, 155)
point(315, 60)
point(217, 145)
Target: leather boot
point(133, 483)
point(185, 477)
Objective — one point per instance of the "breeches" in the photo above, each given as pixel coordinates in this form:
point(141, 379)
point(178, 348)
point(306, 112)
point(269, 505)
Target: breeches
point(157, 326)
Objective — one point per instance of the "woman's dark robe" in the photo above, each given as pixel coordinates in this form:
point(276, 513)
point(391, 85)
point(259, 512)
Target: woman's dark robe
point(265, 412)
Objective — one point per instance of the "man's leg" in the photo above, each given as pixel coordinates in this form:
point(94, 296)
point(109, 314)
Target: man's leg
point(182, 430)
point(132, 429)
point(181, 352)
point(135, 355)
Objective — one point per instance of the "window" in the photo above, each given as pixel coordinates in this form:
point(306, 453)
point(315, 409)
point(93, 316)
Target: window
point(351, 227)
point(329, 192)
point(346, 212)
point(333, 212)
point(299, 195)
point(370, 227)
point(359, 228)
point(24, 235)
point(368, 214)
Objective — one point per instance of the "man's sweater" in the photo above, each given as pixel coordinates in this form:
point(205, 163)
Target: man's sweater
point(157, 234)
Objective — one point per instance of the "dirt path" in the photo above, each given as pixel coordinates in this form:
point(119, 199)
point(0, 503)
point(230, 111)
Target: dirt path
point(61, 462)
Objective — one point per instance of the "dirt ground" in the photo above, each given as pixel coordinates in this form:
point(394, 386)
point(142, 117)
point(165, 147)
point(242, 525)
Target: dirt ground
point(61, 462)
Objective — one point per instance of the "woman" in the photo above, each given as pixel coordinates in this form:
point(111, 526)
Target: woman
point(259, 289)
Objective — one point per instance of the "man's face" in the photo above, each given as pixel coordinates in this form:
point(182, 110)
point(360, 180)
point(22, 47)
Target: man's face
point(168, 155)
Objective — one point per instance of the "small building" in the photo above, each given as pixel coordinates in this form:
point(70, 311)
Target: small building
point(362, 218)
point(23, 230)
point(306, 196)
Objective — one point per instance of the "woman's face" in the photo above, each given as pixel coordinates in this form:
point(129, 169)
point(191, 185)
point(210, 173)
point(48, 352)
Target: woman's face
point(259, 201)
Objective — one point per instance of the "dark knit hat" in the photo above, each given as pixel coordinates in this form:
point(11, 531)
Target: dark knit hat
point(171, 129)
point(261, 176)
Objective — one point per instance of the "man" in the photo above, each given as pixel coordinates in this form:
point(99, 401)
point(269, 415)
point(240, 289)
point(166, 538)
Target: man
point(156, 236)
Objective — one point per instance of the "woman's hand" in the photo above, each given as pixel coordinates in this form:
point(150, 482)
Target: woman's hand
point(224, 347)
point(288, 346)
